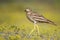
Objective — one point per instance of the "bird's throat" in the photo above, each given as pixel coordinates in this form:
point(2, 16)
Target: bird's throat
point(29, 13)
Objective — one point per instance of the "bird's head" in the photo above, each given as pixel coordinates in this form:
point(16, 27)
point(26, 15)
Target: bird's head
point(27, 10)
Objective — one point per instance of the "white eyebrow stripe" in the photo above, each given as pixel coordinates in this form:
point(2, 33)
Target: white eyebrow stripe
point(27, 10)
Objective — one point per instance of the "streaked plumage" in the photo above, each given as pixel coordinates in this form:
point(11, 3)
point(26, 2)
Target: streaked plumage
point(35, 17)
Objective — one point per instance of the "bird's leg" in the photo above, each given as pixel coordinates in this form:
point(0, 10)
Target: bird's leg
point(37, 29)
point(32, 29)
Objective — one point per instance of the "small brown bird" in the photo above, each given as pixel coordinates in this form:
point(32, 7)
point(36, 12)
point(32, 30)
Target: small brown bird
point(36, 18)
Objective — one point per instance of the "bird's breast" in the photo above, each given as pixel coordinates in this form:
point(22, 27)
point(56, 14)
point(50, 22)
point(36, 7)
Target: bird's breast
point(29, 16)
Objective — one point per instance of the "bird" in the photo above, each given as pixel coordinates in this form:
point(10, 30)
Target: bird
point(36, 18)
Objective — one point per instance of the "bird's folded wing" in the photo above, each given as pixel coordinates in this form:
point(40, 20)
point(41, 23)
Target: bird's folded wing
point(38, 17)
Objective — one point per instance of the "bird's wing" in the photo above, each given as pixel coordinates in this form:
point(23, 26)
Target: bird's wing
point(38, 17)
point(41, 18)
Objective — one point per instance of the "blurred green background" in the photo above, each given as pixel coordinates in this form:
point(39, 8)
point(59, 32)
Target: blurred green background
point(15, 26)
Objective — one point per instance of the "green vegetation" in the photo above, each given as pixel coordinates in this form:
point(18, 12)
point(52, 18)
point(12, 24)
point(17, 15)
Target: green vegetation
point(15, 26)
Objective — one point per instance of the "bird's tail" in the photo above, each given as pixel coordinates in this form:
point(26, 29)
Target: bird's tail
point(51, 22)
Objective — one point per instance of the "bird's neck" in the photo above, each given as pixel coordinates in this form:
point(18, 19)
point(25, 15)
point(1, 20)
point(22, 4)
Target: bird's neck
point(29, 12)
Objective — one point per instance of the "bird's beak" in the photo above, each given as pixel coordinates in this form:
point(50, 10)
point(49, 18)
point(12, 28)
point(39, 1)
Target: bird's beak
point(25, 10)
